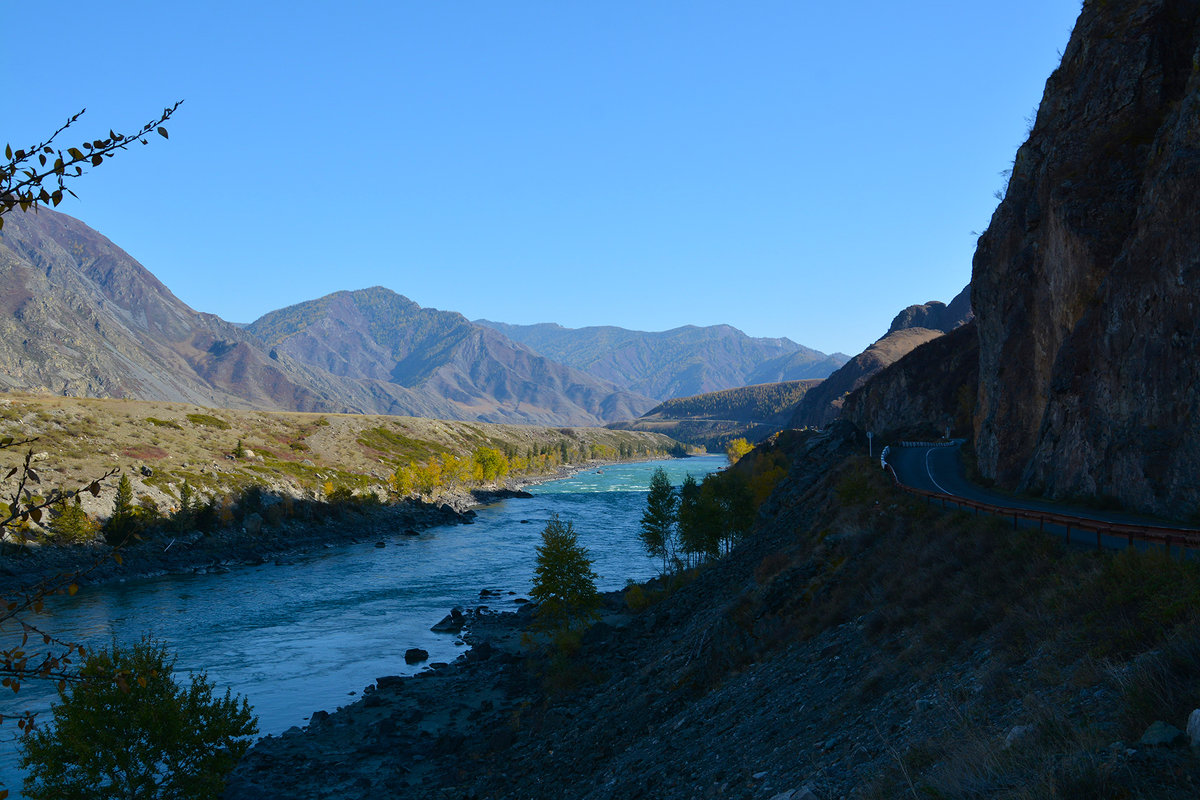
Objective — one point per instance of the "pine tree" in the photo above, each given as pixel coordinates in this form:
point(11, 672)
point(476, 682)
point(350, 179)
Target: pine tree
point(121, 524)
point(564, 584)
point(657, 530)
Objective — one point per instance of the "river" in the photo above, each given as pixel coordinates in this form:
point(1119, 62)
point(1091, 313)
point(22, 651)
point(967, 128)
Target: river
point(310, 634)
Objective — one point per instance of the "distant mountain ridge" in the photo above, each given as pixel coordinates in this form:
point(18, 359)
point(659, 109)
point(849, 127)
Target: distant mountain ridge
point(452, 367)
point(79, 316)
point(680, 362)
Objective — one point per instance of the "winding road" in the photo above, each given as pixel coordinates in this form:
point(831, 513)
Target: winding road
point(936, 471)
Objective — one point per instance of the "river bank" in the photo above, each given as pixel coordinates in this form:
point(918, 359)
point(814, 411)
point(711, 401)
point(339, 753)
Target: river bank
point(197, 552)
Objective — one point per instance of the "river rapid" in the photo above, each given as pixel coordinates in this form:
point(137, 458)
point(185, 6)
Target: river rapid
point(309, 634)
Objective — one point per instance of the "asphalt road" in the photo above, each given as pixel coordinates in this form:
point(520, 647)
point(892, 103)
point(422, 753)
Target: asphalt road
point(939, 469)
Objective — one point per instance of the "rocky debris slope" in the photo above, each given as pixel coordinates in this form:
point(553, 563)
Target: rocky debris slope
point(1087, 282)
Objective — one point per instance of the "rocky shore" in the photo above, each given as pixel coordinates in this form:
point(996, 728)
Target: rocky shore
point(198, 552)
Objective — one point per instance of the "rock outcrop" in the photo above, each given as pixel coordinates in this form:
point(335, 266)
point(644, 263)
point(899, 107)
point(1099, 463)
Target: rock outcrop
point(823, 403)
point(1086, 285)
point(925, 393)
point(936, 315)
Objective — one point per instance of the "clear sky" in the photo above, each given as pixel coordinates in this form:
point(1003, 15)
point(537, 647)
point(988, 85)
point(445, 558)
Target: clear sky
point(792, 168)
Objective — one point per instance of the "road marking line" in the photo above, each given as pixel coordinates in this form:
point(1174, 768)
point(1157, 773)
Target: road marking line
point(929, 472)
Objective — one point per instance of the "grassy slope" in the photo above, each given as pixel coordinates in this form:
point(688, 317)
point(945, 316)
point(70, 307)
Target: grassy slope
point(715, 418)
point(293, 453)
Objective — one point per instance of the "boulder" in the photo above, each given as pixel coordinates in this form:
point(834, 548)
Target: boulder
point(1193, 728)
point(451, 623)
point(1160, 734)
point(415, 655)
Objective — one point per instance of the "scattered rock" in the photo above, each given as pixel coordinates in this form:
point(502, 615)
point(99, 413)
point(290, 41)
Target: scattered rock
point(380, 544)
point(1160, 734)
point(451, 623)
point(146, 471)
point(1016, 735)
point(415, 655)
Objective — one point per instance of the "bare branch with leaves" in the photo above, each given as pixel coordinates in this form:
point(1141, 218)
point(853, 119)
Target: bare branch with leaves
point(38, 174)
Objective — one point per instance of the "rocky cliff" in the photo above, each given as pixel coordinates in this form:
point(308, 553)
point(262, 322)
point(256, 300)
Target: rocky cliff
point(823, 404)
point(1087, 282)
point(923, 394)
point(935, 315)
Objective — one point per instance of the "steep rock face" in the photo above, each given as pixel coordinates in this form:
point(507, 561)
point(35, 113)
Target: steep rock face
point(680, 362)
point(1087, 282)
point(823, 403)
point(935, 315)
point(926, 392)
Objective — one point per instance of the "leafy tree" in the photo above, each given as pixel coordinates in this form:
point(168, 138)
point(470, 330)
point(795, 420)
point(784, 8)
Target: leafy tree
point(491, 464)
point(401, 481)
point(564, 584)
point(127, 730)
point(657, 530)
point(736, 449)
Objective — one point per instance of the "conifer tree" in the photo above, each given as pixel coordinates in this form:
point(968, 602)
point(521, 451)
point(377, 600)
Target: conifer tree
point(564, 584)
point(657, 530)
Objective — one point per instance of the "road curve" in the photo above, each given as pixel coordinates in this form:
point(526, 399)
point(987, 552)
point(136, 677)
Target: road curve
point(939, 469)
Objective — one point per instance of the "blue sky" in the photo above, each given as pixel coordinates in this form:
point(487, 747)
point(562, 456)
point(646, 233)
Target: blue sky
point(794, 169)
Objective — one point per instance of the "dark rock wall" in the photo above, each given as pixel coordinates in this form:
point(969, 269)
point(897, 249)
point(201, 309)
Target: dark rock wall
point(926, 392)
point(1086, 285)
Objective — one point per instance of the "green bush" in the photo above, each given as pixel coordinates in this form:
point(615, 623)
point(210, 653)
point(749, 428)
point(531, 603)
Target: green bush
point(208, 421)
point(127, 730)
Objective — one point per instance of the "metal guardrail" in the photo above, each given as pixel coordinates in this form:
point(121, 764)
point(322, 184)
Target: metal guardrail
point(1168, 537)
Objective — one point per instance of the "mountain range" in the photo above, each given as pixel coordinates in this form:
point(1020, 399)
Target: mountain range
point(79, 316)
point(680, 362)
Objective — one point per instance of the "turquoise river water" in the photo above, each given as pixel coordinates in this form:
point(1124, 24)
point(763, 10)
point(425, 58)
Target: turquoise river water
point(311, 633)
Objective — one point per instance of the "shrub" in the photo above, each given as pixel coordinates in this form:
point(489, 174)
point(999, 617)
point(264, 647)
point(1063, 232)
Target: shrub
point(128, 730)
point(209, 421)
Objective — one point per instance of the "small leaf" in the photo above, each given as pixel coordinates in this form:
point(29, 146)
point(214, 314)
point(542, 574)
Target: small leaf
point(73, 588)
point(75, 153)
point(117, 557)
point(97, 160)
point(162, 132)
point(36, 514)
point(33, 476)
point(94, 488)
point(8, 151)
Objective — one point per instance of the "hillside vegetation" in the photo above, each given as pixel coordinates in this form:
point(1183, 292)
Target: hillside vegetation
point(159, 445)
point(714, 419)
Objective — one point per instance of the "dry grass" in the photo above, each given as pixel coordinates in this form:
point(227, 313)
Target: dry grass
point(293, 453)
